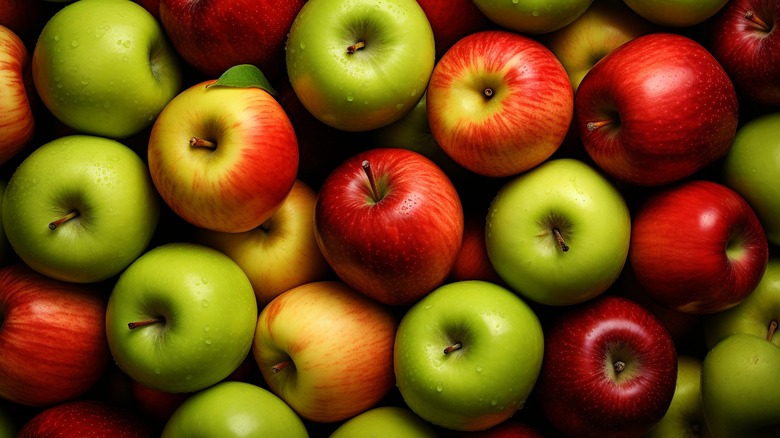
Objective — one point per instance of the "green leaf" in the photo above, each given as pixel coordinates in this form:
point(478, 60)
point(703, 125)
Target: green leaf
point(244, 76)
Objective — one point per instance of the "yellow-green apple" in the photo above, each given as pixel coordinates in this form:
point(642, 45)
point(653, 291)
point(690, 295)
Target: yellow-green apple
point(758, 314)
point(657, 109)
point(744, 39)
point(80, 208)
point(386, 421)
point(559, 233)
point(485, 97)
point(685, 416)
point(234, 409)
point(467, 355)
point(602, 28)
point(676, 13)
point(358, 66)
point(609, 370)
point(176, 308)
point(452, 20)
point(326, 350)
point(16, 114)
point(280, 254)
point(390, 223)
point(86, 417)
point(533, 16)
point(7, 254)
point(697, 247)
point(223, 158)
point(105, 67)
point(214, 36)
point(52, 337)
point(739, 384)
point(751, 163)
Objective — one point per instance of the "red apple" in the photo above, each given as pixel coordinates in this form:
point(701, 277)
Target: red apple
point(473, 262)
point(86, 418)
point(697, 247)
point(214, 36)
point(452, 20)
point(53, 344)
point(153, 6)
point(511, 428)
point(745, 39)
point(485, 98)
point(16, 115)
point(609, 370)
point(24, 17)
point(157, 406)
point(657, 109)
point(390, 224)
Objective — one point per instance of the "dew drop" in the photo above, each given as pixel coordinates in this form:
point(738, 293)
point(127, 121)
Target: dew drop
point(56, 37)
point(204, 280)
point(302, 45)
point(157, 371)
point(106, 104)
point(188, 377)
point(428, 307)
point(439, 388)
point(494, 401)
point(74, 43)
point(479, 369)
point(205, 303)
point(208, 341)
point(350, 97)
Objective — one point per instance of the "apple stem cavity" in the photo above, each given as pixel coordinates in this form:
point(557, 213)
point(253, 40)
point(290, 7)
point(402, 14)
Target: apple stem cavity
point(619, 366)
point(559, 238)
point(135, 325)
point(454, 347)
point(53, 225)
point(371, 181)
point(202, 143)
point(592, 126)
point(751, 16)
point(772, 328)
point(280, 366)
point(355, 47)
point(488, 92)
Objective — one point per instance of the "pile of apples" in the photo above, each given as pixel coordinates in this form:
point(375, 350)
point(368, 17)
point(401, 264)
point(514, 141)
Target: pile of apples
point(357, 218)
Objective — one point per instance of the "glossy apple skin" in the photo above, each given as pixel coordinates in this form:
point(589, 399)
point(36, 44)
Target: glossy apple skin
point(16, 114)
point(452, 20)
point(578, 389)
point(685, 416)
point(499, 134)
point(698, 247)
point(85, 418)
point(339, 345)
point(238, 184)
point(676, 13)
point(52, 338)
point(397, 421)
point(748, 52)
point(473, 261)
point(214, 36)
point(397, 249)
point(533, 16)
point(670, 108)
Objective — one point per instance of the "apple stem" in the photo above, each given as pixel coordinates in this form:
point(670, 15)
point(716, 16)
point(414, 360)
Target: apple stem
point(53, 225)
point(751, 16)
point(592, 126)
point(772, 329)
point(134, 325)
point(488, 92)
point(559, 238)
point(374, 192)
point(202, 143)
point(619, 366)
point(355, 47)
point(453, 347)
point(280, 366)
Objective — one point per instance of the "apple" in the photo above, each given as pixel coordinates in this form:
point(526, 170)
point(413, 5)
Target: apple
point(326, 350)
point(52, 337)
point(601, 29)
point(609, 370)
point(177, 307)
point(24, 18)
point(753, 157)
point(105, 67)
point(234, 409)
point(8, 426)
point(559, 233)
point(697, 247)
point(214, 36)
point(467, 355)
point(758, 314)
point(484, 100)
point(685, 416)
point(155, 405)
point(16, 113)
point(7, 254)
point(280, 254)
point(386, 421)
point(657, 109)
point(676, 13)
point(86, 417)
point(510, 428)
point(452, 20)
point(223, 158)
point(473, 261)
point(390, 223)
point(80, 208)
point(743, 40)
point(358, 66)
point(739, 382)
point(533, 16)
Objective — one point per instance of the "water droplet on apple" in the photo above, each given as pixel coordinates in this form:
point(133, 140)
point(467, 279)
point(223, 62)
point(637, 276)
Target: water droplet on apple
point(205, 303)
point(208, 341)
point(204, 280)
point(207, 328)
point(439, 388)
point(536, 12)
point(126, 43)
point(35, 181)
point(350, 97)
point(494, 401)
point(479, 369)
point(428, 307)
point(106, 104)
point(56, 37)
point(753, 170)
point(302, 45)
point(157, 371)
point(74, 43)
point(188, 377)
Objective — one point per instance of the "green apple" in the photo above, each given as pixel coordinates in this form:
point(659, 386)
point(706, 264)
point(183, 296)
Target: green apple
point(6, 252)
point(676, 13)
point(80, 208)
point(685, 416)
point(559, 233)
point(752, 161)
point(105, 67)
point(181, 318)
point(740, 380)
point(533, 16)
point(234, 409)
point(386, 422)
point(360, 65)
point(758, 314)
point(468, 354)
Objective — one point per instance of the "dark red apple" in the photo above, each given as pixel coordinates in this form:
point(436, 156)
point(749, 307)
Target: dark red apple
point(473, 262)
point(452, 20)
point(86, 418)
